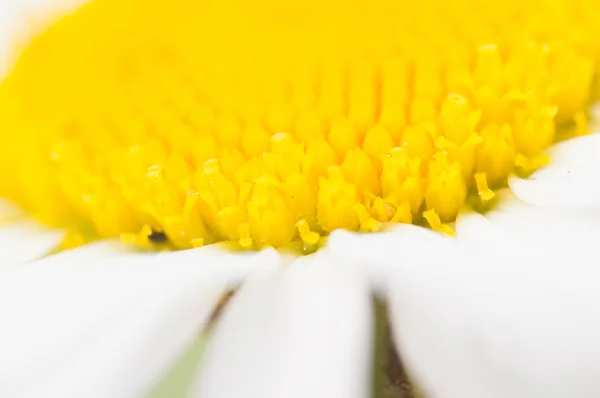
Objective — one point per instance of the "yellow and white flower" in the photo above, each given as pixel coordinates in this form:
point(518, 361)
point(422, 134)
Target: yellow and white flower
point(288, 149)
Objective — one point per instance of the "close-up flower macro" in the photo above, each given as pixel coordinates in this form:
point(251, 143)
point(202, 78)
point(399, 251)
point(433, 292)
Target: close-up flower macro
point(299, 198)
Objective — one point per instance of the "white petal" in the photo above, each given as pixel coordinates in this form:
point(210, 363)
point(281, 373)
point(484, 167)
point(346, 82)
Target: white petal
point(558, 188)
point(303, 332)
point(525, 230)
point(379, 254)
point(514, 330)
point(577, 153)
point(474, 229)
point(90, 253)
point(24, 242)
point(515, 229)
point(568, 182)
point(108, 327)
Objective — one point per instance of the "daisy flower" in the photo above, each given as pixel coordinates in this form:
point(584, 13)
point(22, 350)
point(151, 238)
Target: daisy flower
point(237, 180)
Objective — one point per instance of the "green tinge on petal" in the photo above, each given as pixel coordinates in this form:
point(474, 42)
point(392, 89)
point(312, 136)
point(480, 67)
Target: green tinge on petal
point(178, 381)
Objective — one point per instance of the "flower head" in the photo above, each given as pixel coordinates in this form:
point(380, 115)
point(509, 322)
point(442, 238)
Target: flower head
point(264, 124)
point(236, 124)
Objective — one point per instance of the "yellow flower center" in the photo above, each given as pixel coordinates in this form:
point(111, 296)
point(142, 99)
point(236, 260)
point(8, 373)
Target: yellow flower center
point(269, 122)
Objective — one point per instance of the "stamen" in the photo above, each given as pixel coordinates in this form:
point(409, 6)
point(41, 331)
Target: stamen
point(433, 219)
point(485, 194)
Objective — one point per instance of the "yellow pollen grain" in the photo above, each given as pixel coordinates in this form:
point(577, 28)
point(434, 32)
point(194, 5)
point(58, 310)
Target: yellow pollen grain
point(270, 123)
